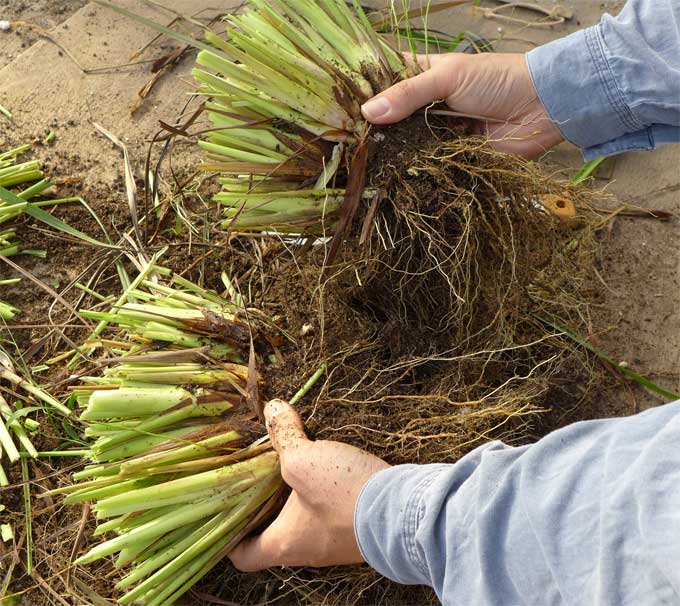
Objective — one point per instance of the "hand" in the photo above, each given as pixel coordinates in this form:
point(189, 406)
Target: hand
point(316, 525)
point(495, 89)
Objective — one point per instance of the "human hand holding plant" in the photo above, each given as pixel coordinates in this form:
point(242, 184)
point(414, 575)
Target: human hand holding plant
point(497, 88)
point(316, 525)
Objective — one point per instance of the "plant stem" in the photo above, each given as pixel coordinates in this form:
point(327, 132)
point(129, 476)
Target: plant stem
point(309, 384)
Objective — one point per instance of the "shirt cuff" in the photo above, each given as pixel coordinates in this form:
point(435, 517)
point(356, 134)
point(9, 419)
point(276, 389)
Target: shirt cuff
point(578, 89)
point(386, 520)
point(644, 140)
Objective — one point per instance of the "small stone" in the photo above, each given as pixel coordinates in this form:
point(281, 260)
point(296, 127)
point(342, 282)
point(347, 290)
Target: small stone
point(307, 330)
point(5, 26)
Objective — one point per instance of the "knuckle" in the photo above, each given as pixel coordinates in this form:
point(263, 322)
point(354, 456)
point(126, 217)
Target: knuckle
point(280, 551)
point(405, 88)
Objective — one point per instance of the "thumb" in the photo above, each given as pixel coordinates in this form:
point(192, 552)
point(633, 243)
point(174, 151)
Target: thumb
point(404, 98)
point(255, 553)
point(285, 427)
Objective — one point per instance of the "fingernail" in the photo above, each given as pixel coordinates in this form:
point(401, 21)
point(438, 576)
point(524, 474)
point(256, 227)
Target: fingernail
point(376, 108)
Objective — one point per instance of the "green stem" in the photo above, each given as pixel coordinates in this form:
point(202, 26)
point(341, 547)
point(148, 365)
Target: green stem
point(309, 384)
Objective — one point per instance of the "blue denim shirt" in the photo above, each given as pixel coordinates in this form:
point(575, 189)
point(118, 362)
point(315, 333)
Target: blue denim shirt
point(615, 87)
point(589, 515)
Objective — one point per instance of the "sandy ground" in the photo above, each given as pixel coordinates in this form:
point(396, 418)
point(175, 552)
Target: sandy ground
point(47, 90)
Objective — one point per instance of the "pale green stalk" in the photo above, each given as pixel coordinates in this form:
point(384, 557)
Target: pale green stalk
point(6, 440)
point(17, 381)
point(135, 447)
point(235, 478)
point(119, 487)
point(180, 454)
point(146, 271)
point(194, 558)
point(177, 415)
point(177, 543)
point(127, 402)
point(156, 528)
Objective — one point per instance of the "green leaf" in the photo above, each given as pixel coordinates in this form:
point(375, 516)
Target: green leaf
point(632, 375)
point(38, 213)
point(587, 170)
point(21, 412)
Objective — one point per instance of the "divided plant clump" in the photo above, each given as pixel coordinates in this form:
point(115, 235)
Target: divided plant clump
point(284, 94)
point(14, 175)
point(446, 253)
point(180, 468)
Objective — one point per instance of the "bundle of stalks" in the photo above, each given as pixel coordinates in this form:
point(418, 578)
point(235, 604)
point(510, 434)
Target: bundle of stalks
point(284, 96)
point(15, 174)
point(15, 426)
point(180, 472)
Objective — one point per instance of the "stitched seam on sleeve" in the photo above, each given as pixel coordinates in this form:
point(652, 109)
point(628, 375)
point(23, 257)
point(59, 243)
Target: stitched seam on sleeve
point(608, 81)
point(412, 516)
point(357, 534)
point(650, 134)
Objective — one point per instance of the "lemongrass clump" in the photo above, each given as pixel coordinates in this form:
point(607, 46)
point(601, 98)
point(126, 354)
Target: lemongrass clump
point(15, 427)
point(179, 470)
point(15, 175)
point(284, 95)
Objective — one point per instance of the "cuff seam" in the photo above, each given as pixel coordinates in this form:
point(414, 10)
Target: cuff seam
point(543, 104)
point(356, 514)
point(412, 515)
point(596, 47)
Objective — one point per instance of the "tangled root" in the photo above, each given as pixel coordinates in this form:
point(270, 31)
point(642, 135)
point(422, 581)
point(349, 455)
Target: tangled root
point(441, 330)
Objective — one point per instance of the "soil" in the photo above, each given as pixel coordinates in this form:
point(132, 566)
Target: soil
point(44, 14)
point(639, 312)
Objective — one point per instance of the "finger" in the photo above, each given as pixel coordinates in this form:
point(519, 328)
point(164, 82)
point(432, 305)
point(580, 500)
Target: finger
point(255, 553)
point(404, 98)
point(285, 427)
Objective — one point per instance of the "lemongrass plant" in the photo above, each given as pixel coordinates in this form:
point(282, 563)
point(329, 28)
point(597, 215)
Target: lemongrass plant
point(284, 92)
point(179, 471)
point(15, 174)
point(14, 424)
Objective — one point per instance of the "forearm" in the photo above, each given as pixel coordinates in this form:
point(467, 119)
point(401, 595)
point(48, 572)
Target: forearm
point(580, 517)
point(615, 86)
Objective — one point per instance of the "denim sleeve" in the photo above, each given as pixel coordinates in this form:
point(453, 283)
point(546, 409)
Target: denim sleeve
point(590, 514)
point(616, 86)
